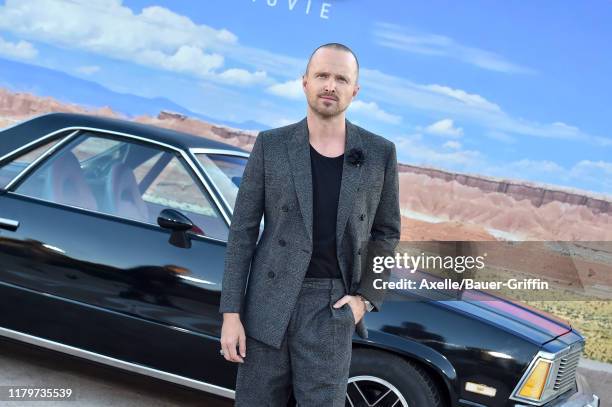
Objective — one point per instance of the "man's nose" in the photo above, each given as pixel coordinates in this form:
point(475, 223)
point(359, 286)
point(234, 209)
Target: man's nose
point(330, 86)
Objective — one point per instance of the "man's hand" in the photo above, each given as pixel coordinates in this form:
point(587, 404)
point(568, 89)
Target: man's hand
point(356, 303)
point(232, 334)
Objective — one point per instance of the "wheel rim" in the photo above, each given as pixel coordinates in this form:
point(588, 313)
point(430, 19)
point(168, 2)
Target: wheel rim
point(371, 391)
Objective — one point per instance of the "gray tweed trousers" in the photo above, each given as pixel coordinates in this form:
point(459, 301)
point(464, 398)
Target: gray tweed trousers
point(313, 359)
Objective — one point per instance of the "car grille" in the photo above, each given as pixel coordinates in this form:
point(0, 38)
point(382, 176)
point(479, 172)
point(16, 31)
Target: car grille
point(566, 374)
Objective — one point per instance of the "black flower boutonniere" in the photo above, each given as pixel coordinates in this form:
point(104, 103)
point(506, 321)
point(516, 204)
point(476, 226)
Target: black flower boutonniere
point(356, 157)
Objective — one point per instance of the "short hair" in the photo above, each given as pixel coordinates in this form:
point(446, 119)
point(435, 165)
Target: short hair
point(338, 46)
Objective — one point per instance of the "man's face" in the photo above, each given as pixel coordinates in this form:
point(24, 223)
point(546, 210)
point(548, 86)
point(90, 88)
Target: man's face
point(331, 82)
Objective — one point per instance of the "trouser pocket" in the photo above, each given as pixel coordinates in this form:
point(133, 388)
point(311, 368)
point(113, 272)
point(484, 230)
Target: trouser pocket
point(344, 313)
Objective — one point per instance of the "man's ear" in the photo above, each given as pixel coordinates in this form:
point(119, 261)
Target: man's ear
point(304, 81)
point(356, 90)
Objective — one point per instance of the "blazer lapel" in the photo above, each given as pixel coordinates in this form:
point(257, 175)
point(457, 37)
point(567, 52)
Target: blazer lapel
point(351, 178)
point(298, 149)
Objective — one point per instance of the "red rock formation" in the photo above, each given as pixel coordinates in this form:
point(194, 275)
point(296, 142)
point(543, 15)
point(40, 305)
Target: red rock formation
point(20, 106)
point(538, 194)
point(436, 200)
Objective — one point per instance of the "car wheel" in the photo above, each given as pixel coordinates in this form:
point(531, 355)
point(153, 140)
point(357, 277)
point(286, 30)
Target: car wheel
point(379, 379)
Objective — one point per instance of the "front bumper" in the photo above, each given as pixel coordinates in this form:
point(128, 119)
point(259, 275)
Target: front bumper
point(581, 397)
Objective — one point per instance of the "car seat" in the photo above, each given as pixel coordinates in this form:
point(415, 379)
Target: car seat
point(122, 196)
point(66, 184)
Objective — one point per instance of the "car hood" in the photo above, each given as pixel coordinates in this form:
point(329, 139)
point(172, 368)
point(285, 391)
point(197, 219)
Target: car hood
point(523, 320)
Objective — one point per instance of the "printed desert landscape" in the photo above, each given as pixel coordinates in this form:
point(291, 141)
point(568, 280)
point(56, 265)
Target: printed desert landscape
point(440, 206)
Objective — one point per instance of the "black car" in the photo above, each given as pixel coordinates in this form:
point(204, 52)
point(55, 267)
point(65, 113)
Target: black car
point(112, 242)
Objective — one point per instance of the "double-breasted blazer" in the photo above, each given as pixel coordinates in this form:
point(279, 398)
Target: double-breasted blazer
point(263, 277)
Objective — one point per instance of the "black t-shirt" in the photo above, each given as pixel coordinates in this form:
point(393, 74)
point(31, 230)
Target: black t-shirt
point(326, 179)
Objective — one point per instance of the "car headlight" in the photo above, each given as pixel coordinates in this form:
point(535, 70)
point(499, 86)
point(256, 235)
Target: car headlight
point(533, 387)
point(548, 375)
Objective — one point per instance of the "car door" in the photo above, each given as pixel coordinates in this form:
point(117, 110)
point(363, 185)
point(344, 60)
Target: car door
point(85, 263)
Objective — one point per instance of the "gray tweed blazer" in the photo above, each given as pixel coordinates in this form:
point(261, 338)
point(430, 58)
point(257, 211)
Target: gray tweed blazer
point(262, 278)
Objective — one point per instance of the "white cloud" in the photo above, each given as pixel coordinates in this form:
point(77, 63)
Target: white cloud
point(185, 59)
point(242, 77)
point(402, 92)
point(602, 141)
point(462, 96)
point(398, 37)
point(588, 175)
point(17, 50)
point(155, 37)
point(373, 111)
point(595, 172)
point(452, 144)
point(411, 149)
point(289, 90)
point(535, 166)
point(88, 69)
point(444, 127)
point(405, 139)
point(261, 59)
point(468, 107)
point(500, 136)
point(587, 165)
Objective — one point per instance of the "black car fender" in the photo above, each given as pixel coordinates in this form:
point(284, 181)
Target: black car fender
point(445, 373)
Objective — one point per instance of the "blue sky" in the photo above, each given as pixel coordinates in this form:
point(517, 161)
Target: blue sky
point(508, 89)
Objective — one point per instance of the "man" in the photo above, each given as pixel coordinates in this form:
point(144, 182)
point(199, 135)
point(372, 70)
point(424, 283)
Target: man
point(324, 186)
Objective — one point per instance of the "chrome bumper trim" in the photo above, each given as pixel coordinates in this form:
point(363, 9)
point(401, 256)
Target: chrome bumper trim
point(121, 364)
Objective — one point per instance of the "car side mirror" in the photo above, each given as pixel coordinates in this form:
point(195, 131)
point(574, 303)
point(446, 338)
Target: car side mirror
point(236, 181)
point(178, 224)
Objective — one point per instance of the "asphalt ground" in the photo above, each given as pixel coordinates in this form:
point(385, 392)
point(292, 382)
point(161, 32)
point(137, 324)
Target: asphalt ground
point(98, 385)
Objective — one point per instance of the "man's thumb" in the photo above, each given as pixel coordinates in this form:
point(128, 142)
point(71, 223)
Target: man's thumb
point(242, 345)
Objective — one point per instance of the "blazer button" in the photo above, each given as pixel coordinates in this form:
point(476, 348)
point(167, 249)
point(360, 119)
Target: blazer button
point(282, 242)
point(359, 252)
point(362, 216)
point(284, 208)
point(271, 274)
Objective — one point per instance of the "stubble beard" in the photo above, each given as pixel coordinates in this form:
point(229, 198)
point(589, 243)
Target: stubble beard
point(326, 114)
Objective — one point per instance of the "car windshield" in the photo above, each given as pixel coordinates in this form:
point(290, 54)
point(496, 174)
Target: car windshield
point(226, 172)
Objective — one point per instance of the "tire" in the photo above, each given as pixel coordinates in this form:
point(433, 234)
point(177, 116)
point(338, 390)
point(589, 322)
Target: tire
point(374, 373)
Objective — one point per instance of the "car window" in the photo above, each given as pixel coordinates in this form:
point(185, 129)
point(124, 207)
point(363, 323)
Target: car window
point(176, 188)
point(95, 147)
point(130, 180)
point(141, 170)
point(226, 172)
point(12, 168)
